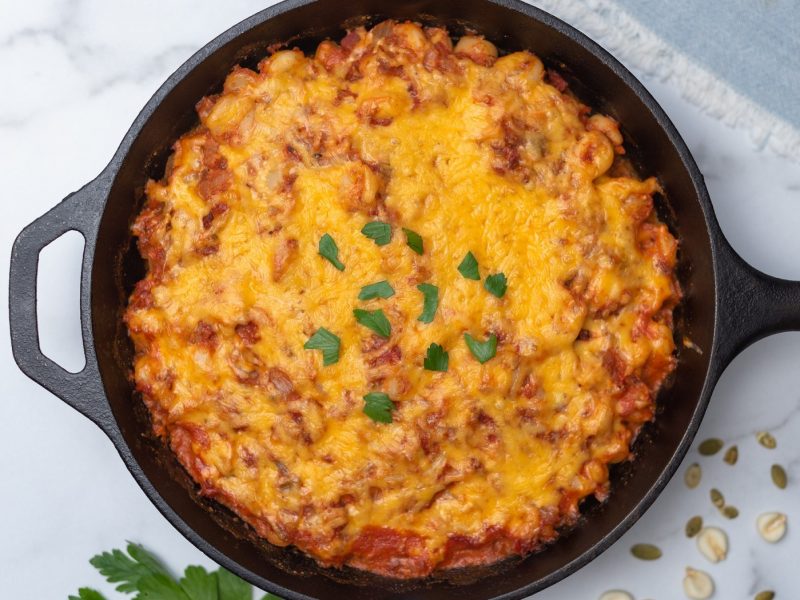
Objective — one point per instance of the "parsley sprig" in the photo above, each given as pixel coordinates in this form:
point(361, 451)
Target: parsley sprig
point(414, 240)
point(375, 320)
point(378, 231)
point(139, 572)
point(330, 251)
point(382, 289)
point(496, 284)
point(482, 351)
point(378, 407)
point(430, 294)
point(436, 358)
point(327, 342)
point(85, 593)
point(469, 267)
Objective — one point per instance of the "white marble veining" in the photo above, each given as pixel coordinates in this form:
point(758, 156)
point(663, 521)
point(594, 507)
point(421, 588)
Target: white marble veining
point(75, 74)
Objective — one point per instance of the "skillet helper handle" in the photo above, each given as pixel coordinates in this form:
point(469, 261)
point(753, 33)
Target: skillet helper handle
point(752, 305)
point(80, 211)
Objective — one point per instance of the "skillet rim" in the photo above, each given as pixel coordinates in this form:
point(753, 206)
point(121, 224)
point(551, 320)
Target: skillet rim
point(108, 177)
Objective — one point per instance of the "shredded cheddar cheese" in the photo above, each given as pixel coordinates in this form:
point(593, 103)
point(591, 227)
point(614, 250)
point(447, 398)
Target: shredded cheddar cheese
point(475, 154)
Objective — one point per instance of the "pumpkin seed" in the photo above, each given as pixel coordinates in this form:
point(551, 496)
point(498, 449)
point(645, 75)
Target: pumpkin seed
point(771, 526)
point(698, 585)
point(713, 544)
point(778, 476)
point(766, 439)
point(616, 595)
point(710, 446)
point(731, 455)
point(693, 526)
point(717, 499)
point(646, 551)
point(730, 511)
point(765, 595)
point(693, 475)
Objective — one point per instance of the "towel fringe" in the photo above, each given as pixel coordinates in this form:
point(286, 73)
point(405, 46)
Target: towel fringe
point(636, 45)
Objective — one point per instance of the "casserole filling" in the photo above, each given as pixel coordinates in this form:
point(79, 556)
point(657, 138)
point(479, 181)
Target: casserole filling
point(404, 305)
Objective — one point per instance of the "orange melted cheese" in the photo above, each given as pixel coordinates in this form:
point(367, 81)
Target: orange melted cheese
point(474, 153)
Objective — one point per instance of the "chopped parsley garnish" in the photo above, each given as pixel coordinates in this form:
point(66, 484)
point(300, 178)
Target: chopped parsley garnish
point(482, 351)
point(382, 289)
point(378, 407)
point(375, 320)
point(378, 231)
point(327, 342)
point(330, 251)
point(430, 294)
point(469, 267)
point(496, 284)
point(414, 240)
point(437, 359)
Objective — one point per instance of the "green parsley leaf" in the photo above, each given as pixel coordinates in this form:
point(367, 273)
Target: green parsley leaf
point(430, 294)
point(414, 240)
point(145, 558)
point(496, 284)
point(378, 407)
point(437, 359)
point(378, 231)
point(469, 267)
point(375, 320)
point(117, 567)
point(141, 573)
point(85, 593)
point(483, 351)
point(199, 584)
point(160, 587)
point(232, 587)
point(330, 251)
point(382, 289)
point(327, 342)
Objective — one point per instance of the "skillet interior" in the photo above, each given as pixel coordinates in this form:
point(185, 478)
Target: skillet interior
point(594, 80)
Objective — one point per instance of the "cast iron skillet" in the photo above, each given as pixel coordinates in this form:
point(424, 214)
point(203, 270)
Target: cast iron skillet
point(728, 304)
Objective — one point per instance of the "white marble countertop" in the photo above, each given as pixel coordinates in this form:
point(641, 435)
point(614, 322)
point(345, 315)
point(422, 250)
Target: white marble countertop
point(76, 73)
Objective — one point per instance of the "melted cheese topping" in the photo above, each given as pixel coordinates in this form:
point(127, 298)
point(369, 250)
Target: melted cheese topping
point(475, 154)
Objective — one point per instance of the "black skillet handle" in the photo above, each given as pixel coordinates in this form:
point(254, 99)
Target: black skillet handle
point(80, 212)
point(751, 304)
